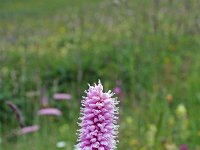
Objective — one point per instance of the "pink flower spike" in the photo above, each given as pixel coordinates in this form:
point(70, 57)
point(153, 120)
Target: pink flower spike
point(98, 120)
point(50, 112)
point(61, 96)
point(29, 129)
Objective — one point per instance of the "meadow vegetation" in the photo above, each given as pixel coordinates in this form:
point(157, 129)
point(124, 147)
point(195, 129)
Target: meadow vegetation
point(152, 48)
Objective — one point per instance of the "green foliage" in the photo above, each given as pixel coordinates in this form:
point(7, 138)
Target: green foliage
point(151, 46)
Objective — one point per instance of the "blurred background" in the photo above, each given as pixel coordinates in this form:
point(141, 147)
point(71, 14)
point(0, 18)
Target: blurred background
point(148, 52)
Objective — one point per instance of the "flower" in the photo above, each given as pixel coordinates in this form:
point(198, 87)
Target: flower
point(181, 110)
point(24, 129)
point(183, 147)
point(98, 120)
point(61, 96)
point(61, 144)
point(49, 111)
point(117, 90)
point(29, 129)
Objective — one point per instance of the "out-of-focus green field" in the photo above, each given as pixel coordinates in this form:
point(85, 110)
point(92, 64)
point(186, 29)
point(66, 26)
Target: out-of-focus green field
point(151, 47)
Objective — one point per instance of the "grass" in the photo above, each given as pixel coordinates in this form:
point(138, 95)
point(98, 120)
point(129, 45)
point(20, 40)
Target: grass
point(152, 47)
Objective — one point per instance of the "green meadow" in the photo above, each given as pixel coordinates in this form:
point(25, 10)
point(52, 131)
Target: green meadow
point(148, 48)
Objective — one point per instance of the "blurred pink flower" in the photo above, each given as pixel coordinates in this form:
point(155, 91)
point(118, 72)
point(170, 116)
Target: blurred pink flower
point(24, 129)
point(98, 120)
point(49, 111)
point(61, 96)
point(183, 147)
point(29, 129)
point(117, 90)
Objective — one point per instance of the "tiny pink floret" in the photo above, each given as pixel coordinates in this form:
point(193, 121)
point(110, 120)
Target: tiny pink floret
point(98, 120)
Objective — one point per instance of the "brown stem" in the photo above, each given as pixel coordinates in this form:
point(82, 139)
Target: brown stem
point(17, 112)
